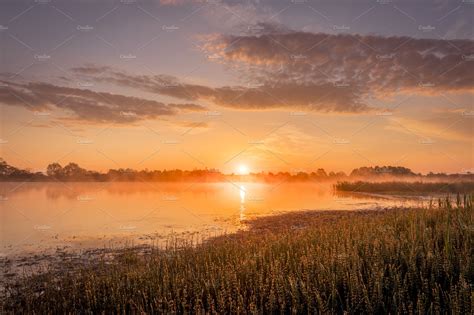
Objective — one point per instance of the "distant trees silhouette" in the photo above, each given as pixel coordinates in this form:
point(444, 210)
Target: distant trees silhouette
point(8, 172)
point(382, 170)
point(73, 172)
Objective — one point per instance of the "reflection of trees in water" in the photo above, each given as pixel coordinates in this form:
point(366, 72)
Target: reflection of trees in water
point(74, 190)
point(55, 193)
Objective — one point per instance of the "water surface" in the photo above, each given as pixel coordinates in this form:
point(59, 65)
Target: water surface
point(42, 216)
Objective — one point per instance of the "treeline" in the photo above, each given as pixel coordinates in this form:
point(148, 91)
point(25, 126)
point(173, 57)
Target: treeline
point(73, 172)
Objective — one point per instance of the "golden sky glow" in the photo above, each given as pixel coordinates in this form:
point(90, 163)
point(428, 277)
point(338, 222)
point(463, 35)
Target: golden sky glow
point(238, 86)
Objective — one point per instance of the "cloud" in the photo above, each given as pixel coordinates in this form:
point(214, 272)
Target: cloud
point(324, 97)
point(374, 64)
point(319, 72)
point(87, 105)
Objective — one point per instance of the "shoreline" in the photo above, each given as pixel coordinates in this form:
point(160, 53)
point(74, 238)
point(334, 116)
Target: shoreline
point(15, 263)
point(37, 262)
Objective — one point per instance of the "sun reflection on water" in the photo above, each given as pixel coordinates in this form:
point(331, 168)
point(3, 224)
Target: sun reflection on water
point(242, 191)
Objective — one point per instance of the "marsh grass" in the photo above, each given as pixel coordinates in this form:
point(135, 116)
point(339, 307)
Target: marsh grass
point(401, 187)
point(391, 261)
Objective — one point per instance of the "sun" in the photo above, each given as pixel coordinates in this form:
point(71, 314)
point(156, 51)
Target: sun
point(243, 169)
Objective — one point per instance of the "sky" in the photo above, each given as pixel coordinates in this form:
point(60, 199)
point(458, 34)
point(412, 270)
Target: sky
point(273, 85)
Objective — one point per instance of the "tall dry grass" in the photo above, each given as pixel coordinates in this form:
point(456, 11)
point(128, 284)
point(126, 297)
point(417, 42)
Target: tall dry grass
point(406, 187)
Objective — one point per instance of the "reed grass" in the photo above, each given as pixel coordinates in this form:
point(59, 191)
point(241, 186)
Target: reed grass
point(392, 261)
point(406, 187)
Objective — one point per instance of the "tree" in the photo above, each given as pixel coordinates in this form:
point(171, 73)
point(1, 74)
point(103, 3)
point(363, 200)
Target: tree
point(73, 170)
point(321, 173)
point(54, 170)
point(5, 169)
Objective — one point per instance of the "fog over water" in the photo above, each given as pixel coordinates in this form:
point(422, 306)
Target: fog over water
point(44, 216)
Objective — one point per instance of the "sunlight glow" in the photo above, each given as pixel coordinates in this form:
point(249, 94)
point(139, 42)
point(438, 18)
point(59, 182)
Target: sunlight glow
point(243, 170)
